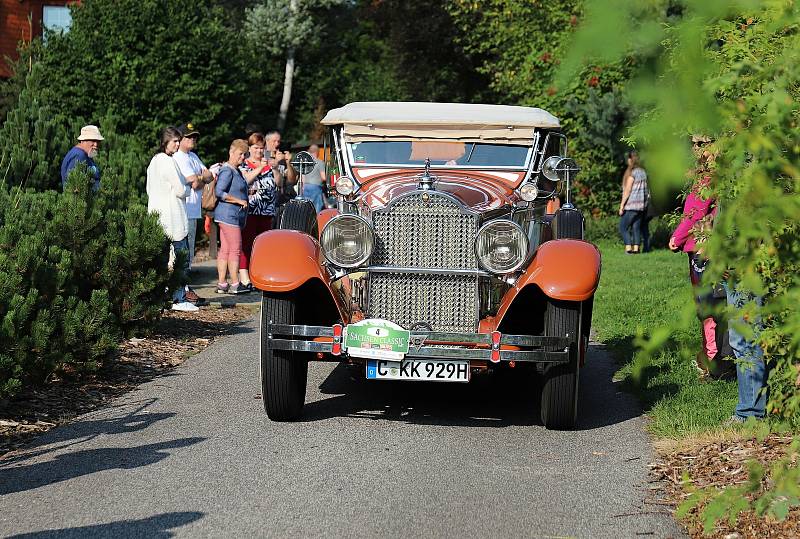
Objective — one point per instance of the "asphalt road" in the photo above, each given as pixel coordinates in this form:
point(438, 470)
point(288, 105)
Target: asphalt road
point(192, 454)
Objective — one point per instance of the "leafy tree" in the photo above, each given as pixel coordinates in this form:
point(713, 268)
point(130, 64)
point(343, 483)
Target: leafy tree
point(282, 27)
point(519, 46)
point(356, 51)
point(729, 70)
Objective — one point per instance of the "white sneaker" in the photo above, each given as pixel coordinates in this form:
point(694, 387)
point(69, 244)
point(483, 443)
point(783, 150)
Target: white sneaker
point(185, 306)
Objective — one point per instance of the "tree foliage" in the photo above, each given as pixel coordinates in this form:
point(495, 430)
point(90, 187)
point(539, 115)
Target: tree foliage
point(378, 51)
point(519, 45)
point(729, 70)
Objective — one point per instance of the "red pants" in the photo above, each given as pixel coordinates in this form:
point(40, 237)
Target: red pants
point(230, 240)
point(255, 225)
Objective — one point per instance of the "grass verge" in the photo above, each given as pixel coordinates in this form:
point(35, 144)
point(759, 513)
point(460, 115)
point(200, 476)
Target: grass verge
point(639, 294)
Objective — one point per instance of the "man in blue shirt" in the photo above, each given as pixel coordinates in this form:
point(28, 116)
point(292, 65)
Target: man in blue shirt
point(83, 152)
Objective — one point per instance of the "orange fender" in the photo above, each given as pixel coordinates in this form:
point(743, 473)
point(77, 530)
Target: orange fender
point(324, 216)
point(283, 260)
point(563, 269)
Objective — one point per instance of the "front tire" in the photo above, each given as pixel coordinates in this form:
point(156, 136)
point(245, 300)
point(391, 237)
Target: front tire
point(284, 373)
point(560, 380)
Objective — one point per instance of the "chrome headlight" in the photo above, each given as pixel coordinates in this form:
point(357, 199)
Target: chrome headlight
point(344, 185)
point(347, 241)
point(528, 192)
point(501, 246)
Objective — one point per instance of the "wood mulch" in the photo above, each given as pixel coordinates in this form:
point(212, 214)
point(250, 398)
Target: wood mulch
point(177, 337)
point(720, 464)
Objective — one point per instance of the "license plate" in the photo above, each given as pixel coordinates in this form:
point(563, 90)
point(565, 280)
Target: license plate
point(376, 339)
point(418, 369)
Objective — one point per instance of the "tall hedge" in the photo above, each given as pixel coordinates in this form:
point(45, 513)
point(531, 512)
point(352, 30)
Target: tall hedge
point(150, 64)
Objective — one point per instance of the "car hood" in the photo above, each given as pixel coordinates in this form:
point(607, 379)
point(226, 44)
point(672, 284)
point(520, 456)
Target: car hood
point(479, 191)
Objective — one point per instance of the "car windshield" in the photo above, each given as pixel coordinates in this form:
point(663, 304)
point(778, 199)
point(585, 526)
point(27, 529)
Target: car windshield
point(441, 153)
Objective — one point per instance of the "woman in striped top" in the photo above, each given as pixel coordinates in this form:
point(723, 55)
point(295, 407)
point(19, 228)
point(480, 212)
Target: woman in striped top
point(632, 208)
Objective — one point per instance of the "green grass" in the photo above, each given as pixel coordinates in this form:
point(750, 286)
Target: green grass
point(637, 296)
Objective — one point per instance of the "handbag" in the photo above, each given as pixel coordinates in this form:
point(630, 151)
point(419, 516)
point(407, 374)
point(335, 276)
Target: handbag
point(209, 199)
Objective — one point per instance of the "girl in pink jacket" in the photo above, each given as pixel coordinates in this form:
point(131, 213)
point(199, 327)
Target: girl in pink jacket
point(699, 211)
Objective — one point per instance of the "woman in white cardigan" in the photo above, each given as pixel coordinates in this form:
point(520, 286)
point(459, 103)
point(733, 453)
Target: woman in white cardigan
point(166, 195)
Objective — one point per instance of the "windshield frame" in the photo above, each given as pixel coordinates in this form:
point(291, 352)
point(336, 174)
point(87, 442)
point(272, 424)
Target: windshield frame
point(522, 167)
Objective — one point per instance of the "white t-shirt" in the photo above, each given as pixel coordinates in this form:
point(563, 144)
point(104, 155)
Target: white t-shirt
point(190, 165)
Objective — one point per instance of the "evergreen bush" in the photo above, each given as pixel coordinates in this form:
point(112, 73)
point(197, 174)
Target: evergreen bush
point(33, 139)
point(74, 278)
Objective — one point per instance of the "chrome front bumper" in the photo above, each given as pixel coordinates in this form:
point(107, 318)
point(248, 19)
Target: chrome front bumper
point(430, 344)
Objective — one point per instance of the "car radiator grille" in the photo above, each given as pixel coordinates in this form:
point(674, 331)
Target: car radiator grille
point(425, 230)
point(414, 232)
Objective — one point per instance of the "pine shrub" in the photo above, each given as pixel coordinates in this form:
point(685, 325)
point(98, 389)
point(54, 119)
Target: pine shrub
point(75, 276)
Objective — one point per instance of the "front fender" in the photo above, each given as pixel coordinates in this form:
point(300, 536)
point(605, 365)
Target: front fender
point(566, 270)
point(283, 260)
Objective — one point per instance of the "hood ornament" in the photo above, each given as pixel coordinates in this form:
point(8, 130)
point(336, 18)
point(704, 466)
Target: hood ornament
point(426, 179)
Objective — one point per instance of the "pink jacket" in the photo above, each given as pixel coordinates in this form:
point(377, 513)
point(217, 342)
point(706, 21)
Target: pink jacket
point(694, 210)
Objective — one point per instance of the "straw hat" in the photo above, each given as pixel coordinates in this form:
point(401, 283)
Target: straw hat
point(90, 132)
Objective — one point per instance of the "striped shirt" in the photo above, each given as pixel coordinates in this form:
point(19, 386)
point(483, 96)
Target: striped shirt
point(640, 194)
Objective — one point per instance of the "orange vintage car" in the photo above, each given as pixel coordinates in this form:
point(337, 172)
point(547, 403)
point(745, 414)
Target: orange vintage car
point(454, 252)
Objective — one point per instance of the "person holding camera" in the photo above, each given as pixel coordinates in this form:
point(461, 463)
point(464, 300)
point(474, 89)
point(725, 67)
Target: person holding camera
point(281, 162)
point(261, 201)
point(314, 181)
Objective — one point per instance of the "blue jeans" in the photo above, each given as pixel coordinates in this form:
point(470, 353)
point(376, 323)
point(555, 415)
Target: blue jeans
point(313, 193)
point(629, 227)
point(644, 230)
point(751, 371)
point(182, 246)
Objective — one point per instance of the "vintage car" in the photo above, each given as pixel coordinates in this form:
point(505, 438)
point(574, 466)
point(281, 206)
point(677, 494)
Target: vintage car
point(454, 252)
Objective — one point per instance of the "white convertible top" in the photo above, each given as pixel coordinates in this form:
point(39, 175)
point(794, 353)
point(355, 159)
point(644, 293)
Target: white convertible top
point(455, 121)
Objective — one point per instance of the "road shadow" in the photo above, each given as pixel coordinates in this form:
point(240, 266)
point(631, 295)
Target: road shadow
point(128, 417)
point(505, 398)
point(180, 327)
point(157, 527)
point(651, 386)
point(79, 463)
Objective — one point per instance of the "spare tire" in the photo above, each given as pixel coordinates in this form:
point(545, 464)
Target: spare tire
point(299, 214)
point(568, 224)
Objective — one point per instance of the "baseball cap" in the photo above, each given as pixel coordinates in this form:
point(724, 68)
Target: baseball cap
point(188, 129)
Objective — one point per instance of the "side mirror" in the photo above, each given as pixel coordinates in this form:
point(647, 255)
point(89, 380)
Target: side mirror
point(557, 168)
point(303, 163)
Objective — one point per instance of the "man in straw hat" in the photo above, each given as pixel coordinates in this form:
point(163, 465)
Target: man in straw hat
point(83, 152)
